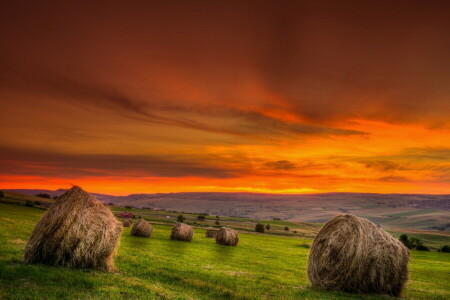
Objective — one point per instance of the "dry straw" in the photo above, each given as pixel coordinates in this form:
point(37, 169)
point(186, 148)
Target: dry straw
point(141, 228)
point(181, 232)
point(211, 232)
point(77, 231)
point(227, 237)
point(352, 254)
point(127, 223)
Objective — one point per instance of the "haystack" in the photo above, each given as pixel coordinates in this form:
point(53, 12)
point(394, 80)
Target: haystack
point(77, 231)
point(182, 232)
point(211, 232)
point(141, 228)
point(126, 223)
point(227, 237)
point(352, 254)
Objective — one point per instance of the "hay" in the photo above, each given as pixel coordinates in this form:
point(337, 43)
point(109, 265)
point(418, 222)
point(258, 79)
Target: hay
point(352, 254)
point(141, 228)
point(127, 223)
point(181, 232)
point(77, 231)
point(211, 232)
point(227, 237)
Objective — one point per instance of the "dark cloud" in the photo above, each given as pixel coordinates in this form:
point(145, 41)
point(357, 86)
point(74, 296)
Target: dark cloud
point(280, 165)
point(64, 165)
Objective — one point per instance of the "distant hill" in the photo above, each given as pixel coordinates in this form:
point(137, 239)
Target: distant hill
point(415, 211)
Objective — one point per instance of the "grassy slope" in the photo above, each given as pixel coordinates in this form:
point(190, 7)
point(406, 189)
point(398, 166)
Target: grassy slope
point(261, 266)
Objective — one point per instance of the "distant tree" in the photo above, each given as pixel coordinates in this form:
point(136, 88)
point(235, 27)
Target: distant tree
point(42, 195)
point(37, 203)
point(181, 218)
point(55, 197)
point(276, 219)
point(415, 242)
point(2, 194)
point(217, 223)
point(29, 203)
point(128, 207)
point(268, 226)
point(445, 249)
point(110, 204)
point(405, 240)
point(201, 218)
point(286, 228)
point(259, 228)
point(217, 217)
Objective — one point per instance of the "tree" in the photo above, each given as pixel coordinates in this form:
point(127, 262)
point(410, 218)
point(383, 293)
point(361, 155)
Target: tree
point(201, 218)
point(217, 223)
point(259, 228)
point(181, 218)
point(286, 228)
point(415, 242)
point(2, 194)
point(217, 217)
point(268, 226)
point(37, 202)
point(445, 249)
point(29, 203)
point(422, 248)
point(405, 240)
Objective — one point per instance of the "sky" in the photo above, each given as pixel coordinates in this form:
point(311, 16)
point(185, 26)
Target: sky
point(126, 97)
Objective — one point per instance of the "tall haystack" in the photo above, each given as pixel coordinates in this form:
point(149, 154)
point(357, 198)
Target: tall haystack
point(77, 231)
point(141, 228)
point(127, 223)
point(352, 254)
point(181, 232)
point(211, 232)
point(227, 237)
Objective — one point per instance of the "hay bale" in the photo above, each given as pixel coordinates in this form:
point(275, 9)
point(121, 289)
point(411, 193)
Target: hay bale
point(352, 254)
point(227, 237)
point(77, 231)
point(211, 232)
point(127, 223)
point(141, 228)
point(181, 232)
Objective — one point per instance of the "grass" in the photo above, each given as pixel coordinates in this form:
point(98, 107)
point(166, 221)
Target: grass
point(260, 267)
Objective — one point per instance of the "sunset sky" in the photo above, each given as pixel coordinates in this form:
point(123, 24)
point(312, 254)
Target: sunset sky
point(126, 97)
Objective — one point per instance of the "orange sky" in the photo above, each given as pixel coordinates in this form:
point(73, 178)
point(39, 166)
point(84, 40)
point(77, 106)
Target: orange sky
point(260, 96)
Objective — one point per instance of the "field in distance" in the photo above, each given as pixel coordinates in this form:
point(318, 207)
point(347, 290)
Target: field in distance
point(262, 266)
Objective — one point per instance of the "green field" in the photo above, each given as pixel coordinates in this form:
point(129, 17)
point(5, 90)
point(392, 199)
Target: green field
point(260, 267)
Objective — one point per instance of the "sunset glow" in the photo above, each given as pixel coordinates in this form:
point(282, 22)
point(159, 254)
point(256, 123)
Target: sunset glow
point(272, 97)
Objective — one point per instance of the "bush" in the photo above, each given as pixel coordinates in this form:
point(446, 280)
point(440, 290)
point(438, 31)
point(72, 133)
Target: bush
point(29, 203)
point(422, 248)
point(268, 226)
point(259, 228)
point(181, 218)
point(37, 202)
point(201, 218)
point(286, 228)
point(2, 194)
point(128, 207)
point(445, 249)
point(217, 223)
point(405, 240)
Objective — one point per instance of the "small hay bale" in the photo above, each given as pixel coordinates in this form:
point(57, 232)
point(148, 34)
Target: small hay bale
point(77, 231)
point(127, 223)
point(352, 254)
point(141, 228)
point(227, 237)
point(211, 232)
point(181, 232)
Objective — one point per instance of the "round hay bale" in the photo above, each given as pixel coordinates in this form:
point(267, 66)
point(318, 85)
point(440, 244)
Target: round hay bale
point(127, 223)
point(352, 254)
point(77, 231)
point(227, 237)
point(211, 232)
point(181, 232)
point(141, 228)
